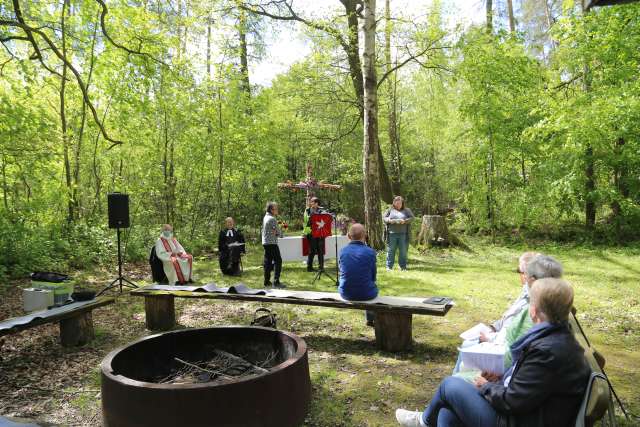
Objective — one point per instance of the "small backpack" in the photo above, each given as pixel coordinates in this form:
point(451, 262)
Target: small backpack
point(267, 320)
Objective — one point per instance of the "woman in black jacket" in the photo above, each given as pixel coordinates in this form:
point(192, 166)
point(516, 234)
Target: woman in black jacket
point(543, 388)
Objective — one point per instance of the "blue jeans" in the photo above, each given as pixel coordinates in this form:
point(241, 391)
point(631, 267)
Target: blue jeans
point(397, 241)
point(458, 403)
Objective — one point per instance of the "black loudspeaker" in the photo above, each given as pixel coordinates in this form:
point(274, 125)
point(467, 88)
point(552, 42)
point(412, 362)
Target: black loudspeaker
point(118, 209)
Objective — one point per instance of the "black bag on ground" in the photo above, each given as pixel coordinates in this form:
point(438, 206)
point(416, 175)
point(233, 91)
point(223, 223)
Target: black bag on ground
point(157, 271)
point(264, 317)
point(49, 276)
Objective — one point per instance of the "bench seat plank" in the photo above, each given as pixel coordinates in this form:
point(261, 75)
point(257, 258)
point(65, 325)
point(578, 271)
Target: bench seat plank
point(69, 311)
point(405, 305)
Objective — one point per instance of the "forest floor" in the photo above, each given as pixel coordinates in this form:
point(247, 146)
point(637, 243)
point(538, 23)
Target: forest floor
point(354, 384)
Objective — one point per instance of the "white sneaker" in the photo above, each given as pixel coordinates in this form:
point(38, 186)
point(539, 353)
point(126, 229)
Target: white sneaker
point(409, 418)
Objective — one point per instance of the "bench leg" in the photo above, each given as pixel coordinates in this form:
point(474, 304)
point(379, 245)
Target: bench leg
point(393, 331)
point(160, 312)
point(76, 330)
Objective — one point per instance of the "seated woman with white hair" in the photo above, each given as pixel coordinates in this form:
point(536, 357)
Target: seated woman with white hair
point(543, 388)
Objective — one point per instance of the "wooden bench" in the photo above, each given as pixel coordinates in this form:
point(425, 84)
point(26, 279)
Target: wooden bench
point(393, 324)
point(76, 322)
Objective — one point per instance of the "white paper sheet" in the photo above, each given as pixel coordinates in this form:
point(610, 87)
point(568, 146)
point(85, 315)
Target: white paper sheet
point(474, 333)
point(485, 356)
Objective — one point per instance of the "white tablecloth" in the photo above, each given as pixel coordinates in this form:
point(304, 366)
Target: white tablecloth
point(291, 247)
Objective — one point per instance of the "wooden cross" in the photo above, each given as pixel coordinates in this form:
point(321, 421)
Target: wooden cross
point(310, 184)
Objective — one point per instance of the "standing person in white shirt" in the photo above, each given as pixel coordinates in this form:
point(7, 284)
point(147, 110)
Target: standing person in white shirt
point(272, 257)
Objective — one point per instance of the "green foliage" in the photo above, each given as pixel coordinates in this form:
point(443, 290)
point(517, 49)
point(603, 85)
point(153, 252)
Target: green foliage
point(498, 126)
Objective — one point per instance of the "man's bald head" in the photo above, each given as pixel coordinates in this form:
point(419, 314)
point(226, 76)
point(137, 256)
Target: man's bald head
point(167, 227)
point(357, 232)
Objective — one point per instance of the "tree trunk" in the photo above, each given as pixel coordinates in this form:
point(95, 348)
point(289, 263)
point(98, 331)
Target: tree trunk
point(245, 84)
point(393, 331)
point(549, 17)
point(77, 330)
point(589, 171)
point(160, 314)
point(394, 147)
point(4, 182)
point(489, 11)
point(220, 158)
point(77, 152)
point(589, 188)
point(356, 72)
point(370, 163)
point(63, 117)
point(209, 48)
point(512, 19)
point(434, 231)
point(620, 179)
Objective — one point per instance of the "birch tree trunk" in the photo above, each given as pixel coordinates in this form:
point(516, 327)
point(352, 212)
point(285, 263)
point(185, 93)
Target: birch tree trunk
point(352, 50)
point(370, 166)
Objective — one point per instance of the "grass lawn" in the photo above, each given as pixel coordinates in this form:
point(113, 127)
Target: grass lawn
point(353, 383)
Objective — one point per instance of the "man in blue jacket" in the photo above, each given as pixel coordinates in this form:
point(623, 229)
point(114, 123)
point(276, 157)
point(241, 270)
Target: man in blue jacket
point(358, 270)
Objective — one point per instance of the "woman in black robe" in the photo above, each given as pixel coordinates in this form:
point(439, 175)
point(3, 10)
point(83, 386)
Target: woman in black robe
point(230, 248)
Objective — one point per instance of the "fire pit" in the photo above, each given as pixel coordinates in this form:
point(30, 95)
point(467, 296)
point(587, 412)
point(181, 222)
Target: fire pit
point(227, 376)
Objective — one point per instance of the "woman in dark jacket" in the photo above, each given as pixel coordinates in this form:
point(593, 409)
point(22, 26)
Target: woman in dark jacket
point(544, 387)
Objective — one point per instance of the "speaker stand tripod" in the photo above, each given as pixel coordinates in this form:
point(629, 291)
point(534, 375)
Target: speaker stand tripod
point(119, 281)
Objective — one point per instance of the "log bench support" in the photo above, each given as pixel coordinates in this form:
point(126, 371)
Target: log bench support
point(393, 331)
point(77, 330)
point(393, 322)
point(159, 312)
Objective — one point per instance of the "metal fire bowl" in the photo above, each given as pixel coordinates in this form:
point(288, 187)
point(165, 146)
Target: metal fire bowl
point(278, 398)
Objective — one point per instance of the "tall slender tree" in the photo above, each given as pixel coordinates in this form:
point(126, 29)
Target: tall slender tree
point(370, 148)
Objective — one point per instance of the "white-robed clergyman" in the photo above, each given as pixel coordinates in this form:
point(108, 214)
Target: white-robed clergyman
point(176, 262)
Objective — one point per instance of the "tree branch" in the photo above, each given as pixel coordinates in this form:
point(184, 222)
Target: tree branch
point(568, 82)
point(103, 27)
point(414, 58)
point(83, 88)
point(260, 9)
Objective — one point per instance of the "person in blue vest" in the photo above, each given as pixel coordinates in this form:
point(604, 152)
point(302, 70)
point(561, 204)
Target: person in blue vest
point(358, 270)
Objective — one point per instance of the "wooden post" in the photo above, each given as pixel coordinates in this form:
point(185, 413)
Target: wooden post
point(160, 312)
point(77, 330)
point(393, 331)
